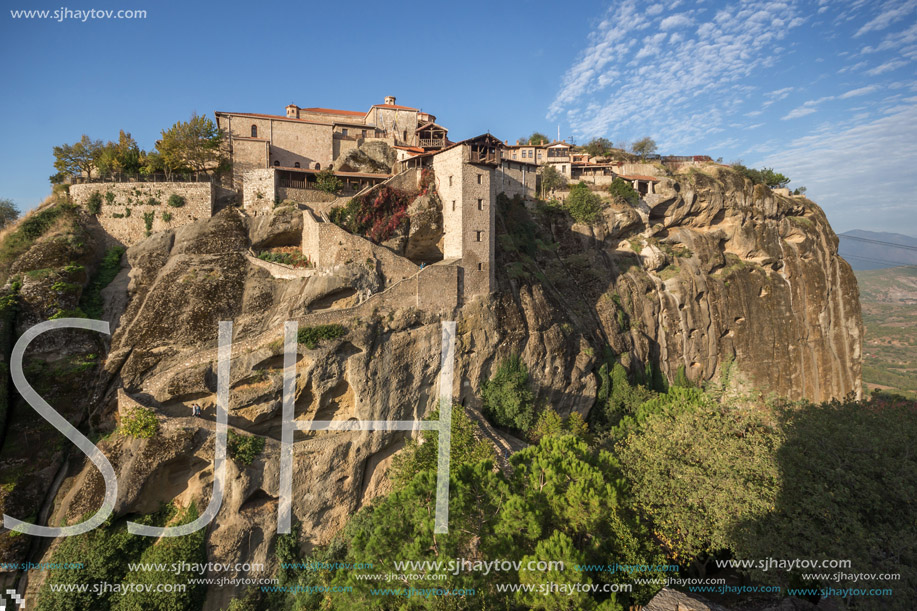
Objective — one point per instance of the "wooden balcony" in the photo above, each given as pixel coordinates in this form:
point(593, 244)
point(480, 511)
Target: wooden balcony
point(432, 142)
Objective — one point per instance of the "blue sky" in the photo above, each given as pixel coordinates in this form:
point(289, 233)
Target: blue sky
point(823, 91)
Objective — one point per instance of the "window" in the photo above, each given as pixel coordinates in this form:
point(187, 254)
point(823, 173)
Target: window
point(450, 181)
point(254, 131)
point(524, 154)
point(296, 165)
point(514, 155)
point(404, 135)
point(318, 166)
point(539, 154)
point(480, 267)
point(478, 236)
point(480, 179)
point(453, 203)
point(363, 134)
point(276, 162)
point(563, 169)
point(343, 131)
point(480, 204)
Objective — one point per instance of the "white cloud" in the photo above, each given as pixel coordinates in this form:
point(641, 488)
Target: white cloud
point(849, 172)
point(681, 20)
point(800, 111)
point(861, 91)
point(891, 12)
point(654, 9)
point(886, 67)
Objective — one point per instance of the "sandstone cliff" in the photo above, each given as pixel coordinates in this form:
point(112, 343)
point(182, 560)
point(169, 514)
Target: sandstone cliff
point(711, 270)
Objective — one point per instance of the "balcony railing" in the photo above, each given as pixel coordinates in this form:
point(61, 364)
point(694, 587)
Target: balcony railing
point(432, 142)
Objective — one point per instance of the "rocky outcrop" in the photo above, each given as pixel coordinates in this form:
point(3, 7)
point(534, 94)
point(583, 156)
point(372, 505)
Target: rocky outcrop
point(711, 274)
point(372, 156)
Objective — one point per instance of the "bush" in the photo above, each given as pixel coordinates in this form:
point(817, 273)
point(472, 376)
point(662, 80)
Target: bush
point(244, 448)
point(326, 181)
point(508, 399)
point(622, 189)
point(176, 201)
point(91, 301)
point(109, 197)
point(148, 221)
point(167, 217)
point(140, 423)
point(311, 337)
point(94, 203)
point(375, 215)
point(584, 205)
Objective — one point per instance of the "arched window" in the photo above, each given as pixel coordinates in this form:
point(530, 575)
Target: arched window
point(296, 165)
point(254, 131)
point(318, 166)
point(276, 162)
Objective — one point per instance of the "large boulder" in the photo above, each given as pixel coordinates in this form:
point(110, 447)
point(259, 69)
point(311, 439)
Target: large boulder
point(373, 157)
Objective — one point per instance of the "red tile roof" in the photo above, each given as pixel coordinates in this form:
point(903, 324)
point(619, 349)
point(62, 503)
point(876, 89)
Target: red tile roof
point(395, 106)
point(335, 111)
point(276, 117)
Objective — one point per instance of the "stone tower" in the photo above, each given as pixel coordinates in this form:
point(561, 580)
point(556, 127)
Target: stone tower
point(465, 181)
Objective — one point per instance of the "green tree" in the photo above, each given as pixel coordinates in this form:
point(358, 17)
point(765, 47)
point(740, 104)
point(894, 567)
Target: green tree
point(326, 181)
point(597, 147)
point(193, 145)
point(644, 147)
point(8, 212)
point(697, 469)
point(507, 397)
point(551, 180)
point(78, 158)
point(538, 138)
point(121, 156)
point(624, 190)
point(423, 454)
point(585, 206)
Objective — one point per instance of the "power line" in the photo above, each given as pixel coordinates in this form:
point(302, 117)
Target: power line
point(853, 237)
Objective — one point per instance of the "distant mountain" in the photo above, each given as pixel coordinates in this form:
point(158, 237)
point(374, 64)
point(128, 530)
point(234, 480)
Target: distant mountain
point(876, 249)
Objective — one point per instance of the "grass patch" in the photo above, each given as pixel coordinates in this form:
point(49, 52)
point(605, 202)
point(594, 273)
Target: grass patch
point(311, 337)
point(244, 448)
point(140, 423)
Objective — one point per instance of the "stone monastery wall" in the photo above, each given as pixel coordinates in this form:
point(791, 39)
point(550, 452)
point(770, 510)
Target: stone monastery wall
point(131, 209)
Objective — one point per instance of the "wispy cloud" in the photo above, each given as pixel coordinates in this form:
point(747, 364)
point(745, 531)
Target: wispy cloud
point(886, 67)
point(890, 13)
point(850, 172)
point(662, 81)
point(800, 111)
point(861, 91)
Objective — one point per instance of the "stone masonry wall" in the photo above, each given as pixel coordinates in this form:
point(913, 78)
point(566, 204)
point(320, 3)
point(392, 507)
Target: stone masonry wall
point(258, 190)
point(126, 206)
point(328, 245)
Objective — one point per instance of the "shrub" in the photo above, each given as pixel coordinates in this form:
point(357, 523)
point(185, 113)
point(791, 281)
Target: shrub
point(376, 215)
point(148, 221)
point(244, 448)
point(140, 423)
point(176, 200)
point(94, 203)
point(584, 205)
point(167, 217)
point(152, 202)
point(109, 197)
point(622, 189)
point(311, 337)
point(326, 181)
point(293, 259)
point(91, 301)
point(508, 399)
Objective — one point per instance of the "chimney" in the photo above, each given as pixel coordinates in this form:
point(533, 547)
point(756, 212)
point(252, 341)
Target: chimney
point(389, 100)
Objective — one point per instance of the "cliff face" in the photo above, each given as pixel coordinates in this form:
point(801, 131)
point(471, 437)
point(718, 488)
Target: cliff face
point(708, 271)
